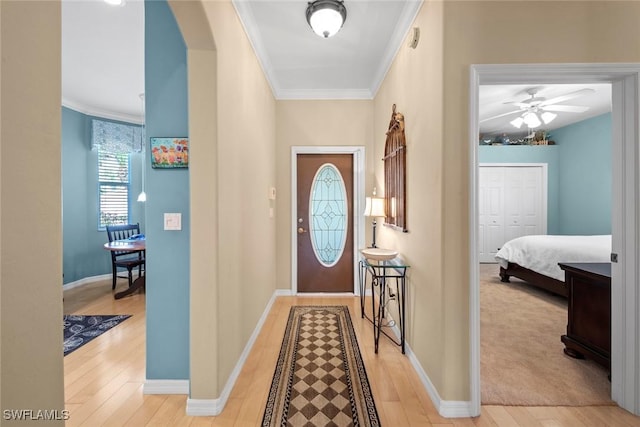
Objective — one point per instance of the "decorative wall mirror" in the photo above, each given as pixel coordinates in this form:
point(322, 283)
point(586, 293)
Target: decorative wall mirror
point(395, 153)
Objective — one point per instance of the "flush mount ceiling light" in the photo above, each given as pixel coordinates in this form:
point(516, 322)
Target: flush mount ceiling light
point(114, 2)
point(326, 17)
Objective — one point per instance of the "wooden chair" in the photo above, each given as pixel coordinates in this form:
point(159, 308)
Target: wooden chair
point(125, 259)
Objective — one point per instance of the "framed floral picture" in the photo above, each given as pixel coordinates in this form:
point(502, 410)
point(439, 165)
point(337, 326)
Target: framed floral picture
point(169, 153)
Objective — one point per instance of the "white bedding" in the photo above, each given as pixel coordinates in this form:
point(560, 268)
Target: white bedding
point(543, 253)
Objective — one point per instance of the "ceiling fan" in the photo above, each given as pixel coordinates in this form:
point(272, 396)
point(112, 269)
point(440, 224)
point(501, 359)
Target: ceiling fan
point(537, 110)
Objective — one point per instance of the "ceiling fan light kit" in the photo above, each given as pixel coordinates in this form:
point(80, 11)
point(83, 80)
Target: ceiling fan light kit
point(326, 17)
point(538, 110)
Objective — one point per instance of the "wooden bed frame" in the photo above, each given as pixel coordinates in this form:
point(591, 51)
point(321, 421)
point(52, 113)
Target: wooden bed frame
point(533, 278)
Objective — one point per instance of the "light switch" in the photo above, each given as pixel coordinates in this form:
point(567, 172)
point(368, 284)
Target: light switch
point(173, 221)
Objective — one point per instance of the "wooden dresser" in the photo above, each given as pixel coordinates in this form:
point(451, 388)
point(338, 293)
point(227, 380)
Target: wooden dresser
point(589, 312)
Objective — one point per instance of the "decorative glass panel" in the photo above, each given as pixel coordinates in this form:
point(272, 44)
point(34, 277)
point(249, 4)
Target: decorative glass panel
point(328, 215)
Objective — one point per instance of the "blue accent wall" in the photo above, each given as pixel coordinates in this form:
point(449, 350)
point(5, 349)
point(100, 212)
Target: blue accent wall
point(83, 255)
point(579, 174)
point(532, 154)
point(167, 192)
point(586, 176)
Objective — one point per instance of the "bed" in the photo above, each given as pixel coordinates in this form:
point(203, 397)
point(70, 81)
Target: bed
point(535, 259)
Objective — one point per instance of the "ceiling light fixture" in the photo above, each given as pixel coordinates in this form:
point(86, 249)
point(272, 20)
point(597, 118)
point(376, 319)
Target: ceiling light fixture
point(114, 2)
point(142, 197)
point(533, 120)
point(326, 17)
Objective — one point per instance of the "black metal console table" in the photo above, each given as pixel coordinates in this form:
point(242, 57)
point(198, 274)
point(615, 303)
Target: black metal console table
point(382, 276)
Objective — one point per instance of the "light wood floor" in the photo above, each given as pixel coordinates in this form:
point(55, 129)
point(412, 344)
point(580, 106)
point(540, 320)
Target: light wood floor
point(104, 378)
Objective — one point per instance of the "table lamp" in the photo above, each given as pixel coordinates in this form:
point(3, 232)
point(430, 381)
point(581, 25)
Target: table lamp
point(374, 207)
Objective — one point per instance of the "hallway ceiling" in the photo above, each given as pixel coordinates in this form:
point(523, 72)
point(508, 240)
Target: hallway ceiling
point(103, 58)
point(350, 65)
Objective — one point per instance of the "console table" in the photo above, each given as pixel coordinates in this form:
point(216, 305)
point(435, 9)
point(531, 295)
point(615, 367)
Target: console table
point(589, 311)
point(388, 279)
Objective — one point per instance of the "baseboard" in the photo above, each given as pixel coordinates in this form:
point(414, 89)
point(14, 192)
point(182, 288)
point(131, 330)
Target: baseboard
point(327, 294)
point(86, 281)
point(204, 407)
point(213, 407)
point(166, 387)
point(283, 293)
point(446, 408)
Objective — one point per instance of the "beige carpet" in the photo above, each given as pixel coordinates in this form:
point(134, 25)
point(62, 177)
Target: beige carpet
point(522, 360)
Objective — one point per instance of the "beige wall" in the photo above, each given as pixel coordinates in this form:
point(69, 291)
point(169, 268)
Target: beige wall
point(30, 222)
point(430, 86)
point(232, 129)
point(244, 169)
point(314, 123)
point(414, 84)
point(564, 32)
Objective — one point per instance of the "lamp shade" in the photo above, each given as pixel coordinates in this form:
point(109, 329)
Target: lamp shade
point(547, 117)
point(374, 206)
point(326, 17)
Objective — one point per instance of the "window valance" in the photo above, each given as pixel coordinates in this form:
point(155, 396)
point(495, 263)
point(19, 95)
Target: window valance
point(115, 137)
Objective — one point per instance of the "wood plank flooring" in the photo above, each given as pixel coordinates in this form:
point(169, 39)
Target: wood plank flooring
point(104, 378)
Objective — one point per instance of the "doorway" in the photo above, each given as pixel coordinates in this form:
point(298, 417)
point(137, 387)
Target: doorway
point(325, 222)
point(311, 257)
point(625, 214)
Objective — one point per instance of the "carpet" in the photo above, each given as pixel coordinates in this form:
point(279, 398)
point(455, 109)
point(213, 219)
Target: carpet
point(320, 379)
point(521, 356)
point(80, 329)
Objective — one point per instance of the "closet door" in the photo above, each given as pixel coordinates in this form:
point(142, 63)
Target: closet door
point(512, 203)
point(491, 200)
point(523, 201)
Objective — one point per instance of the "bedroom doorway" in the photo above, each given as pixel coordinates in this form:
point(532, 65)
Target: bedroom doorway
point(625, 331)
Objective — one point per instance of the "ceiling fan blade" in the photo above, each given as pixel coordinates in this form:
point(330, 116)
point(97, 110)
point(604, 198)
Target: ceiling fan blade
point(518, 104)
point(565, 108)
point(500, 115)
point(568, 96)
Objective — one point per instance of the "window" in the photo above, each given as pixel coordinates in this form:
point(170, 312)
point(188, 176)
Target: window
point(113, 181)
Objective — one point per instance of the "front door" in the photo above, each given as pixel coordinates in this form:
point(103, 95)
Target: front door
point(324, 222)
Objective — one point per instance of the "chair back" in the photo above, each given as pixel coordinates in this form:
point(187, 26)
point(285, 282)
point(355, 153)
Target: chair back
point(121, 232)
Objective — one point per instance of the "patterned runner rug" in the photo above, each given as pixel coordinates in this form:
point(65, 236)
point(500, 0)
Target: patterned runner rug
point(320, 378)
point(80, 329)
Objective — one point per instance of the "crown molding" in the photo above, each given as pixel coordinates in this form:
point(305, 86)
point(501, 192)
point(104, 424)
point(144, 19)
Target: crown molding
point(323, 94)
point(104, 114)
point(402, 29)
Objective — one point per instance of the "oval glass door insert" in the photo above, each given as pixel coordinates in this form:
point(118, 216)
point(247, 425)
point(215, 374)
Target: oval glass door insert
point(328, 215)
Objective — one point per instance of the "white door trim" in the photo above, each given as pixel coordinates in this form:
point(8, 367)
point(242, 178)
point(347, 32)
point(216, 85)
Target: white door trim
point(625, 298)
point(358, 204)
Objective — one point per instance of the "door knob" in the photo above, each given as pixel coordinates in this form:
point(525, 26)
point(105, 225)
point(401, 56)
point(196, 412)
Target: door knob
point(301, 230)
